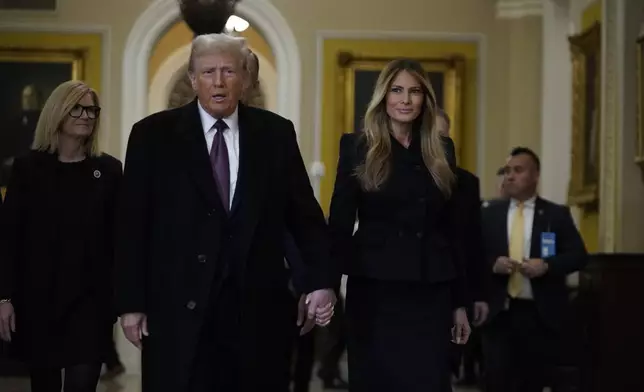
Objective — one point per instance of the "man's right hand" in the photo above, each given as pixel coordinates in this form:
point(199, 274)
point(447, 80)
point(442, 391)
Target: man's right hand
point(135, 327)
point(504, 265)
point(7, 321)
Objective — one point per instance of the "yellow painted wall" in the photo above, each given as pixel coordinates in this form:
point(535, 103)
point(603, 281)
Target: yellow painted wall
point(589, 222)
point(390, 49)
point(180, 35)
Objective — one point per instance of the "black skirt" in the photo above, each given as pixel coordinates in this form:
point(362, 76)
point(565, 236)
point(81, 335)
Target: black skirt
point(398, 335)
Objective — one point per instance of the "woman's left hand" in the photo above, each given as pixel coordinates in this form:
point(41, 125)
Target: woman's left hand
point(461, 330)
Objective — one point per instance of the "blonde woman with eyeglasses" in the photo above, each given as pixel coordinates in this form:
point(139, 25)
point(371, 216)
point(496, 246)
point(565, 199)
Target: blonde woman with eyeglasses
point(56, 241)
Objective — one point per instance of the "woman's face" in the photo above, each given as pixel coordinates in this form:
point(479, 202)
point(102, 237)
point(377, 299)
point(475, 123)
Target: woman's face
point(405, 98)
point(82, 118)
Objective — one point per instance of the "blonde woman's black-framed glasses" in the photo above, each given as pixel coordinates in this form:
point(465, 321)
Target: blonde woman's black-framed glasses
point(92, 111)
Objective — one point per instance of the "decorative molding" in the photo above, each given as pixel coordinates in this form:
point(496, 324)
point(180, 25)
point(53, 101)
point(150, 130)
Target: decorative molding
point(154, 21)
point(106, 51)
point(516, 9)
point(610, 159)
point(479, 39)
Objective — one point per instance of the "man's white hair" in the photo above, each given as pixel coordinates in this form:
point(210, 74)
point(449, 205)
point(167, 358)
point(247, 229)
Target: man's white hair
point(217, 44)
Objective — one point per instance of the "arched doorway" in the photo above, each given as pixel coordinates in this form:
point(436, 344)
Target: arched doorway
point(162, 13)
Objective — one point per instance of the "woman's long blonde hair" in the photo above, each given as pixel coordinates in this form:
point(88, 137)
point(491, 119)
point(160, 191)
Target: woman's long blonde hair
point(55, 112)
point(377, 128)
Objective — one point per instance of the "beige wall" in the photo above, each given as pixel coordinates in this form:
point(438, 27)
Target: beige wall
point(508, 121)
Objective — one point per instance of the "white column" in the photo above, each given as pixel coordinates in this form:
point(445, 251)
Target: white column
point(556, 124)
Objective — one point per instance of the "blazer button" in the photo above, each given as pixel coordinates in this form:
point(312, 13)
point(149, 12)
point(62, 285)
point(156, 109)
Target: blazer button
point(401, 234)
point(419, 234)
point(421, 200)
point(202, 258)
point(211, 212)
point(191, 305)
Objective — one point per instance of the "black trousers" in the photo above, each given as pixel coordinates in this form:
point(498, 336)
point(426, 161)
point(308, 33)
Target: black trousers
point(304, 360)
point(519, 350)
point(78, 378)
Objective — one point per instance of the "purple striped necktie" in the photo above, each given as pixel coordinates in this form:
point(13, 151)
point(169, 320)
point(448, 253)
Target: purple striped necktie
point(220, 164)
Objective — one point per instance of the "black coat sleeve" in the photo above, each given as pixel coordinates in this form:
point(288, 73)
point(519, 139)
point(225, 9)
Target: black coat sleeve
point(11, 220)
point(344, 202)
point(571, 253)
point(305, 221)
point(132, 227)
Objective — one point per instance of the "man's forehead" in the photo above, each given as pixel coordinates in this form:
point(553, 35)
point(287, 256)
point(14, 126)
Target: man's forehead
point(221, 59)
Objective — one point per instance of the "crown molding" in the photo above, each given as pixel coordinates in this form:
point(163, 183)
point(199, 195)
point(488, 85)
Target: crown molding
point(516, 9)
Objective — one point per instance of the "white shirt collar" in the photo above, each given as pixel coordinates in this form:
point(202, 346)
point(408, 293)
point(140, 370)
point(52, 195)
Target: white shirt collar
point(528, 203)
point(207, 121)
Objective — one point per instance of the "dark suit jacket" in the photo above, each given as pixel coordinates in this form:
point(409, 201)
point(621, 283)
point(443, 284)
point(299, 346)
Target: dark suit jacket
point(550, 293)
point(470, 220)
point(176, 241)
point(407, 228)
point(30, 273)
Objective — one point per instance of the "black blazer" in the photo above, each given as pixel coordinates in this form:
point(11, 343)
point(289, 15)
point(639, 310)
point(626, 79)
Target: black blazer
point(176, 239)
point(27, 238)
point(470, 220)
point(408, 229)
point(550, 292)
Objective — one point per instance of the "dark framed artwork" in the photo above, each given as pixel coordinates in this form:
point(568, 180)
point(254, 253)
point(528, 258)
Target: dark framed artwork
point(585, 165)
point(28, 5)
point(27, 78)
point(358, 76)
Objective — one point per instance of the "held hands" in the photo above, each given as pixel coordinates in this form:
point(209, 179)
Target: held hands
point(532, 268)
point(135, 327)
point(317, 307)
point(461, 330)
point(7, 321)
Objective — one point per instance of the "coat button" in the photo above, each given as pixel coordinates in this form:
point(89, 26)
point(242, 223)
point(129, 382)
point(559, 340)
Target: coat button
point(211, 212)
point(191, 305)
point(401, 234)
point(421, 200)
point(202, 258)
point(419, 234)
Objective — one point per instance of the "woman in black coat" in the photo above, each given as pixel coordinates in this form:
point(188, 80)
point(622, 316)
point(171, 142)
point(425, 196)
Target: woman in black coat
point(406, 293)
point(56, 241)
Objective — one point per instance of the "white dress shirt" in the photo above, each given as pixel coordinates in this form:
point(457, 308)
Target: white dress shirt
point(231, 136)
point(528, 219)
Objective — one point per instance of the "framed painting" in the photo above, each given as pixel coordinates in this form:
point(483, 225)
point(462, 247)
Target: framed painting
point(28, 5)
point(27, 77)
point(586, 67)
point(358, 76)
point(639, 146)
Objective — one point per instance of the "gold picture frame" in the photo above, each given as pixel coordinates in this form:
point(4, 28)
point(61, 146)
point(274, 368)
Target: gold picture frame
point(586, 67)
point(74, 57)
point(452, 70)
point(639, 146)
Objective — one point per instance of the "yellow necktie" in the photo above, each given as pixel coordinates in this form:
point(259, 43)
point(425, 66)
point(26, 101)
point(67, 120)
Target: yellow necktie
point(515, 284)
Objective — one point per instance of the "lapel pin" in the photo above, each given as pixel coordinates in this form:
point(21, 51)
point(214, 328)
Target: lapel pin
point(97, 174)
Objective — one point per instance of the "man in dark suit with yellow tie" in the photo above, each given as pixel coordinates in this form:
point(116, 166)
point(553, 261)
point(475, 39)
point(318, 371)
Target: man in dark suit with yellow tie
point(531, 246)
